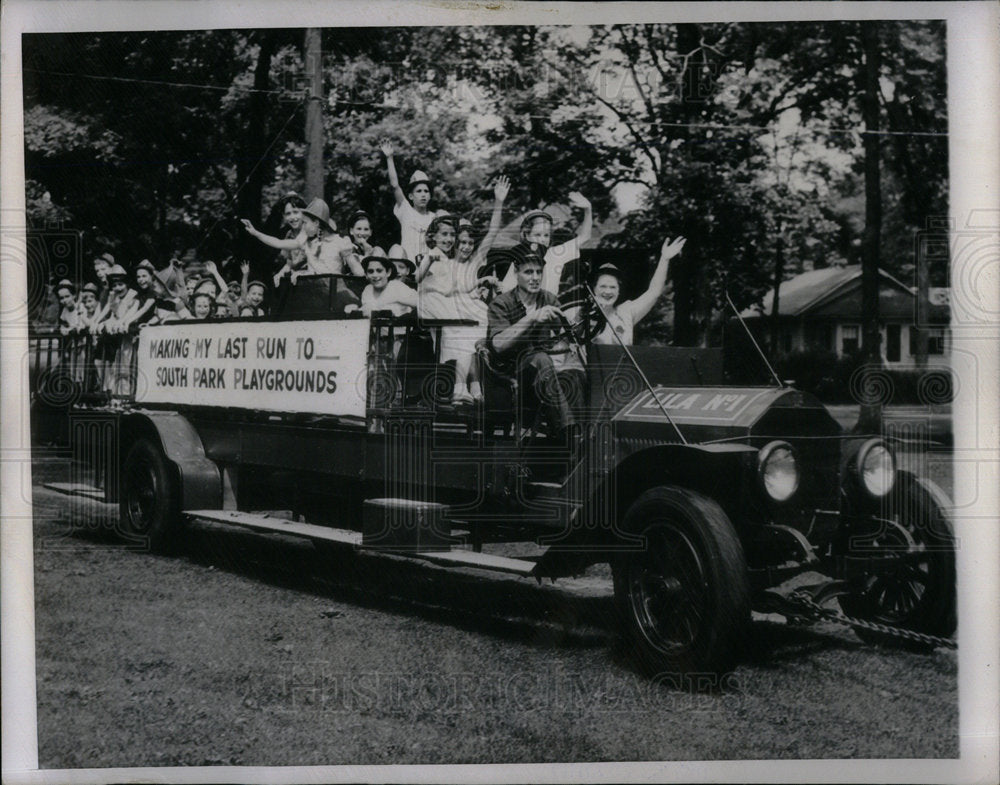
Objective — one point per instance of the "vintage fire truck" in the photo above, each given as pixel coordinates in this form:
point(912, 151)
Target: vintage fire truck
point(702, 492)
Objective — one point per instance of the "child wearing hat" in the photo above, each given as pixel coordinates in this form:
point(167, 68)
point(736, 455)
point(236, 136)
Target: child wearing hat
point(70, 322)
point(253, 302)
point(622, 317)
point(319, 240)
point(102, 264)
point(114, 322)
point(411, 209)
point(406, 270)
point(536, 231)
point(89, 303)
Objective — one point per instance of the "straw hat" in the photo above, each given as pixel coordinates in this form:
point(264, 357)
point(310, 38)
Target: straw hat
point(386, 262)
point(417, 178)
point(530, 218)
point(319, 210)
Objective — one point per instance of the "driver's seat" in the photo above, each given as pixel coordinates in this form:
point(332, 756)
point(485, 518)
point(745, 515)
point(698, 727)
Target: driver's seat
point(500, 391)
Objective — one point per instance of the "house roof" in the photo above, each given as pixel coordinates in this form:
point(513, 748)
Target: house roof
point(829, 291)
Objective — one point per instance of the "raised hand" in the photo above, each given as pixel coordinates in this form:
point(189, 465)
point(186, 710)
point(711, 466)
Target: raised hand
point(247, 225)
point(387, 148)
point(210, 266)
point(501, 188)
point(577, 199)
point(671, 248)
point(245, 268)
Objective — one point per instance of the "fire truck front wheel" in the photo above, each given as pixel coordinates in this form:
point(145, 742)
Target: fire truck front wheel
point(150, 503)
point(683, 597)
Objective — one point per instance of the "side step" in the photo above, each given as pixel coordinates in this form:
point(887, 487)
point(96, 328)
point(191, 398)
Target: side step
point(76, 489)
point(482, 561)
point(455, 558)
point(266, 523)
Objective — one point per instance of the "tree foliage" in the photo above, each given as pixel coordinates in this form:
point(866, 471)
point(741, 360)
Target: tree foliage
point(741, 137)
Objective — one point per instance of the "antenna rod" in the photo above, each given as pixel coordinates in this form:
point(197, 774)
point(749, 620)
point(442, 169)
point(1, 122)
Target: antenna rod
point(645, 380)
point(754, 341)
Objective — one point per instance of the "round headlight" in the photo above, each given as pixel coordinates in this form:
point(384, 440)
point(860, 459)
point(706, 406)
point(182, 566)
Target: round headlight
point(778, 470)
point(876, 468)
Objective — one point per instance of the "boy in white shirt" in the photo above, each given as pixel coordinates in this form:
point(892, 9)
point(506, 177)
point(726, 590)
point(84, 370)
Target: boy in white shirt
point(412, 213)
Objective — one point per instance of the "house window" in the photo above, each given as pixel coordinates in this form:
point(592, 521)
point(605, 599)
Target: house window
point(935, 340)
point(850, 337)
point(893, 340)
point(936, 337)
point(819, 336)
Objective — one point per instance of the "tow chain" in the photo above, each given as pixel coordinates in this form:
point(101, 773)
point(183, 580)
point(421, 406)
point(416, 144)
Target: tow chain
point(817, 611)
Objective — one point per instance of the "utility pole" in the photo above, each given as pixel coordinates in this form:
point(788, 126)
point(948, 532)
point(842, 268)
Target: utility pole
point(870, 417)
point(314, 114)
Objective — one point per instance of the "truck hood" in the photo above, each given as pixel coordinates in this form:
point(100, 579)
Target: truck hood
point(704, 413)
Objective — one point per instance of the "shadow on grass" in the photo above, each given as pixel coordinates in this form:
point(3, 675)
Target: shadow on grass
point(504, 607)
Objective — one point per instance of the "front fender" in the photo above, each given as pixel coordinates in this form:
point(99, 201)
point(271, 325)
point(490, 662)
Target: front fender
point(199, 479)
point(721, 472)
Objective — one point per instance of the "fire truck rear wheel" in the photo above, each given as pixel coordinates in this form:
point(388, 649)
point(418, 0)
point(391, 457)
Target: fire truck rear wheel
point(683, 599)
point(149, 501)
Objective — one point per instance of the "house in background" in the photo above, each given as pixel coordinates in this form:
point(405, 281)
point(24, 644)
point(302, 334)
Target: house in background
point(821, 310)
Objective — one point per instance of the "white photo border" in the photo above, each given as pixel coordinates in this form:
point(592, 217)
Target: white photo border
point(974, 126)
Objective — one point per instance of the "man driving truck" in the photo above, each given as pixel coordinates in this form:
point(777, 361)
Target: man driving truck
point(522, 324)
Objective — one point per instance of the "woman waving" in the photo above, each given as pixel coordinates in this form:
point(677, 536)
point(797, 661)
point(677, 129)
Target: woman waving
point(622, 317)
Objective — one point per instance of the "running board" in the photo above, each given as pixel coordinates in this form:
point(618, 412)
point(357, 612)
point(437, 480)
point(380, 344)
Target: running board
point(481, 561)
point(268, 523)
point(457, 558)
point(76, 489)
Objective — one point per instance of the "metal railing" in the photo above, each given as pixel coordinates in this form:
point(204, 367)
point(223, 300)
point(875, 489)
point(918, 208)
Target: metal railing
point(78, 368)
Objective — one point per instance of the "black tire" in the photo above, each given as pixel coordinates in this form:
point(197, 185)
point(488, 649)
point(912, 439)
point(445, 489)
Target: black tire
point(149, 500)
point(683, 600)
point(918, 594)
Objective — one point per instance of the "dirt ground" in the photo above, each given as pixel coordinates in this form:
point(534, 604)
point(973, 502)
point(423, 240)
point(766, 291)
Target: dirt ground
point(252, 650)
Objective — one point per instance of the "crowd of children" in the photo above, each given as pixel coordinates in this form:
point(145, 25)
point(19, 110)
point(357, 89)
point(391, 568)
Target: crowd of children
point(438, 270)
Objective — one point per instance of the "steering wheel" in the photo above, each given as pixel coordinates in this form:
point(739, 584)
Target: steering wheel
point(589, 320)
point(586, 325)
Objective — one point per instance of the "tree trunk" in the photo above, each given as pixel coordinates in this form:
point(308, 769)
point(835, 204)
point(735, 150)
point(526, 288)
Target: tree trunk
point(923, 304)
point(684, 269)
point(314, 115)
point(250, 169)
point(779, 274)
point(870, 418)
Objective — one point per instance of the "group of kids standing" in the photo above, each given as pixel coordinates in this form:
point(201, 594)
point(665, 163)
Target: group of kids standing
point(438, 270)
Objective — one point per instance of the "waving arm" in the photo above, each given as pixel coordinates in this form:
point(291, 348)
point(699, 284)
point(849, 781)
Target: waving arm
point(273, 242)
point(644, 303)
point(388, 150)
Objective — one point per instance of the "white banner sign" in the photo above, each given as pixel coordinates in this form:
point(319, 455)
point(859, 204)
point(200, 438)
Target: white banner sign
point(304, 366)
